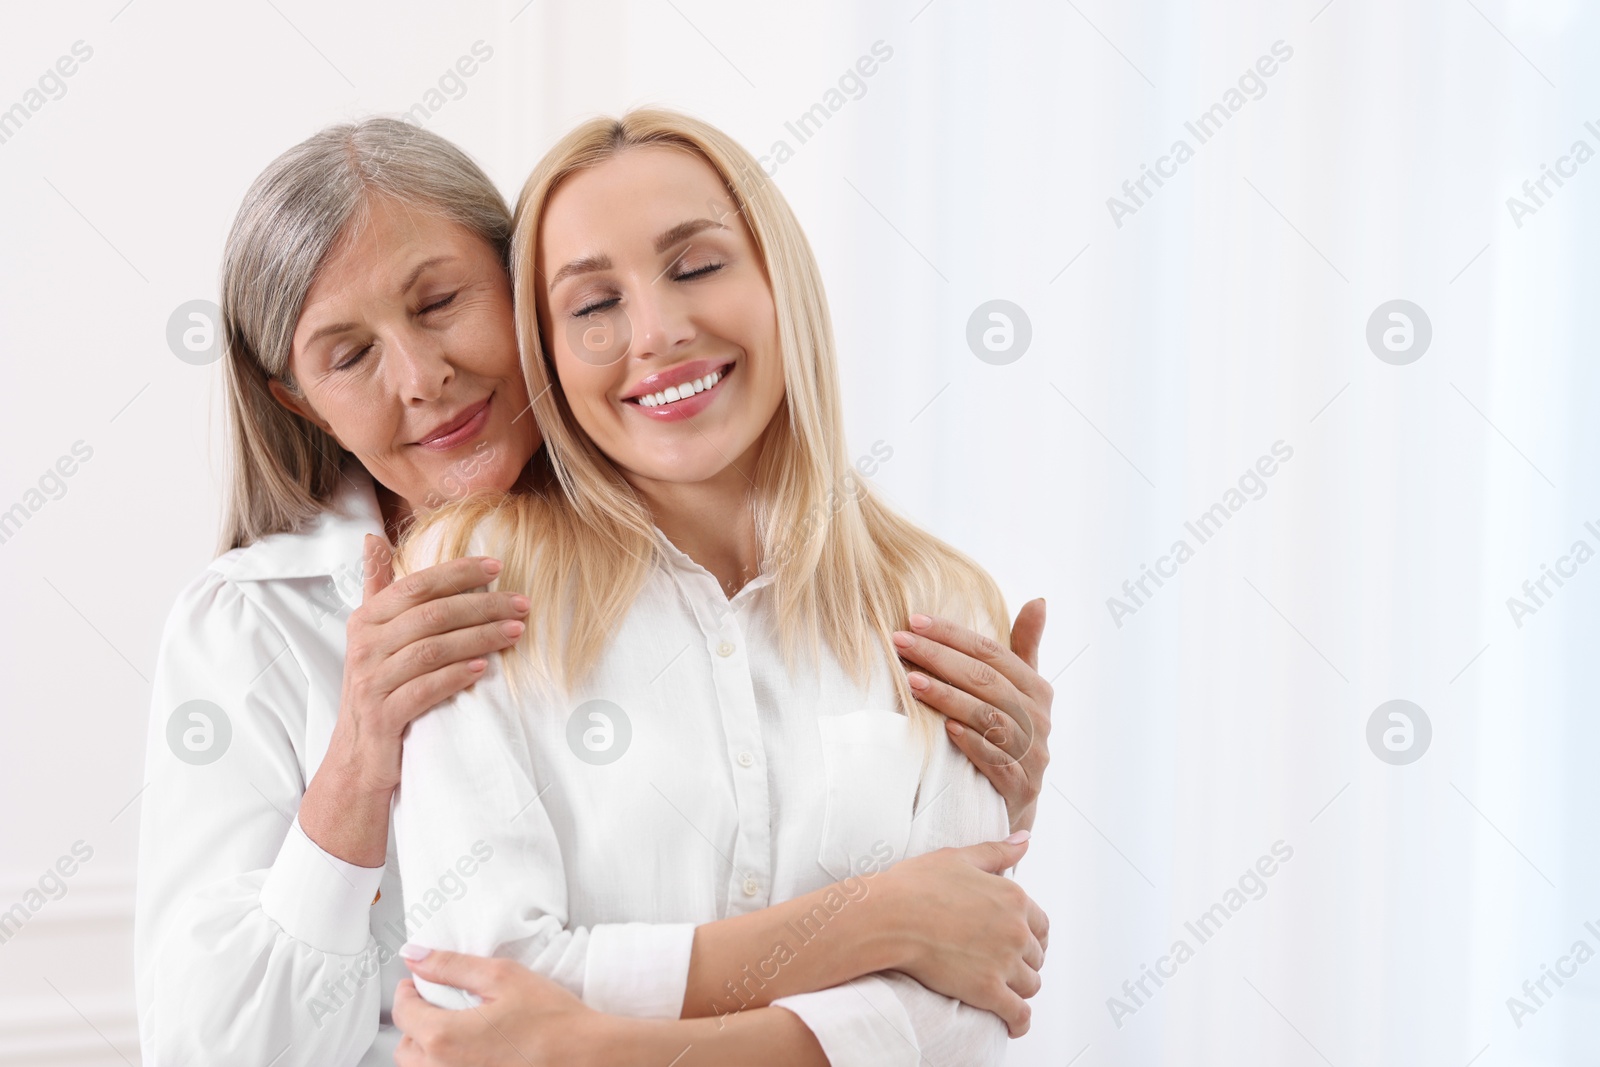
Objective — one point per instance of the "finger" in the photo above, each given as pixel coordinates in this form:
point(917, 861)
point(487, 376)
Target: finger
point(427, 692)
point(1015, 1012)
point(1007, 775)
point(1024, 981)
point(1027, 631)
point(1039, 923)
point(454, 612)
point(409, 1008)
point(979, 648)
point(431, 583)
point(1000, 730)
point(975, 676)
point(377, 566)
point(996, 856)
point(1033, 956)
point(457, 646)
point(475, 974)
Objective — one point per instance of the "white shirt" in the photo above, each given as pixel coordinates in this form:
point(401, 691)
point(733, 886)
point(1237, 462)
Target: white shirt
point(249, 940)
point(733, 785)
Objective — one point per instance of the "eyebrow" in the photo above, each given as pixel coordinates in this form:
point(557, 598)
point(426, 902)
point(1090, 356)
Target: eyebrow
point(405, 286)
point(677, 235)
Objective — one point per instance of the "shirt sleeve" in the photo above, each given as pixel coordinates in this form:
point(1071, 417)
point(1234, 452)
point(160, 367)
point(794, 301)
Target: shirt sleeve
point(468, 792)
point(890, 1018)
point(250, 942)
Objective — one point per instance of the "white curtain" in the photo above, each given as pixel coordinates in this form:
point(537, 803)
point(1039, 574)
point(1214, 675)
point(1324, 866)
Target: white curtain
point(1208, 727)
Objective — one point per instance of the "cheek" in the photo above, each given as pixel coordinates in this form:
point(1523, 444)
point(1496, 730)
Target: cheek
point(363, 415)
point(584, 385)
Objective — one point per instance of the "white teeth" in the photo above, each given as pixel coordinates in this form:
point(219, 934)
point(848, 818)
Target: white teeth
point(678, 392)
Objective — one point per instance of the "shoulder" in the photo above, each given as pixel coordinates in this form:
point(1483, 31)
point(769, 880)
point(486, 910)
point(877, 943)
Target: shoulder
point(218, 619)
point(484, 524)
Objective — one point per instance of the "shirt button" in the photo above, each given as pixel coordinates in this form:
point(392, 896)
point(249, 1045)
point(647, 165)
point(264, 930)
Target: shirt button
point(745, 759)
point(750, 887)
point(725, 649)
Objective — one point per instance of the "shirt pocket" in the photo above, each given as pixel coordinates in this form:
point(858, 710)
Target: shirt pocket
point(871, 769)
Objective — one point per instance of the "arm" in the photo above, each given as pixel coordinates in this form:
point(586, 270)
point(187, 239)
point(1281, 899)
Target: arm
point(890, 1018)
point(525, 1020)
point(408, 646)
point(941, 917)
point(997, 703)
point(469, 765)
point(247, 910)
point(240, 918)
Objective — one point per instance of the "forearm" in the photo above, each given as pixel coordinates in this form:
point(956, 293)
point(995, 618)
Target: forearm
point(769, 1036)
point(816, 941)
point(344, 815)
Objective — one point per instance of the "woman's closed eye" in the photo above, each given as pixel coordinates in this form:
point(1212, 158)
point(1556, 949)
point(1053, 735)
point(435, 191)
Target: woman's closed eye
point(439, 304)
point(697, 272)
point(346, 362)
point(433, 305)
point(683, 275)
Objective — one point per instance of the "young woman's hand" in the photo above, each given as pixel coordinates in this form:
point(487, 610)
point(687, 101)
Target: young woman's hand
point(525, 1020)
point(411, 645)
point(972, 934)
point(995, 701)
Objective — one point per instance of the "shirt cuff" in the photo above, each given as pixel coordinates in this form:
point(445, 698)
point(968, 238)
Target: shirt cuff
point(861, 1023)
point(318, 898)
point(638, 969)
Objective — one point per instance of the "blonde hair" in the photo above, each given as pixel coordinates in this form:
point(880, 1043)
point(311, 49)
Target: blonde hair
point(284, 467)
point(845, 568)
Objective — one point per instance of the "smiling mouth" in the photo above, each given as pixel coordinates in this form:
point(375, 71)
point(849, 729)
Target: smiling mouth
point(674, 393)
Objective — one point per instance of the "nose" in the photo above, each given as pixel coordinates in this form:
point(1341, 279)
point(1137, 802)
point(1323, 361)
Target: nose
point(418, 364)
point(660, 319)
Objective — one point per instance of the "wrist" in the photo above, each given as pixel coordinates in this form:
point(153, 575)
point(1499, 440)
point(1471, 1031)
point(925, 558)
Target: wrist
point(363, 763)
point(345, 817)
point(603, 1040)
point(885, 938)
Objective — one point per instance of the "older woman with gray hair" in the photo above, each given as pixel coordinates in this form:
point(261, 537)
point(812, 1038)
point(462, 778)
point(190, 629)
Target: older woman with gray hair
point(373, 373)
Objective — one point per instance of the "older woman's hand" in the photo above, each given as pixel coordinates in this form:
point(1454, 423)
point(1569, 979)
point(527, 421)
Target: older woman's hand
point(411, 645)
point(996, 703)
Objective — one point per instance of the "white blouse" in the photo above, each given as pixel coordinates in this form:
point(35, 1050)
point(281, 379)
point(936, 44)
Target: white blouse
point(250, 942)
point(691, 778)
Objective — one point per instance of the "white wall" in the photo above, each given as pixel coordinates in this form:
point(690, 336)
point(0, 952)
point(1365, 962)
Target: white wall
point(1227, 313)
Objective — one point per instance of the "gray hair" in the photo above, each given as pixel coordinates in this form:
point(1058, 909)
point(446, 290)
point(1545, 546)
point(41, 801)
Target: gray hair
point(285, 468)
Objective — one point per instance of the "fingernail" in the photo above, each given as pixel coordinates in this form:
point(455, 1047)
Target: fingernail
point(491, 566)
point(903, 639)
point(477, 665)
point(920, 622)
point(918, 681)
point(513, 628)
point(520, 603)
point(412, 951)
point(1015, 839)
point(955, 728)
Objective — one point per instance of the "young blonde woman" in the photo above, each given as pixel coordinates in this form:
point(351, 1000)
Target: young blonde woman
point(372, 371)
point(709, 728)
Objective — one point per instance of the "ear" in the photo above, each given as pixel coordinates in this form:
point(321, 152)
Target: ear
point(297, 404)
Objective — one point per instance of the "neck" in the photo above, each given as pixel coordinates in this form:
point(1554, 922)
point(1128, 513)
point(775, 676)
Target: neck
point(712, 522)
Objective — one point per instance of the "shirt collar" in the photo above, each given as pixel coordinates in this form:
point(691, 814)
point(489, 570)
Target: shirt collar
point(328, 545)
point(684, 568)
